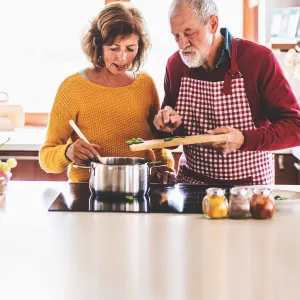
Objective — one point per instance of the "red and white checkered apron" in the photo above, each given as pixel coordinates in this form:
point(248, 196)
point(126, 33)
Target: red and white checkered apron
point(205, 105)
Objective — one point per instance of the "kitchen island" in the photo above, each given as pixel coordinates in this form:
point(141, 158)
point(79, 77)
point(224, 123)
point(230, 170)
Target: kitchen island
point(97, 255)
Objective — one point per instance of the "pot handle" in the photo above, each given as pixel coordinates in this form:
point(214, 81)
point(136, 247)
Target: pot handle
point(82, 166)
point(155, 164)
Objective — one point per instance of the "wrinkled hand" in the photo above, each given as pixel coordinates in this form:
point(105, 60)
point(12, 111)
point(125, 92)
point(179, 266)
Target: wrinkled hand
point(80, 152)
point(164, 174)
point(167, 120)
point(234, 142)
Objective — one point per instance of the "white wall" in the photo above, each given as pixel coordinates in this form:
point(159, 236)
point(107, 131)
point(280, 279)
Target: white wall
point(41, 43)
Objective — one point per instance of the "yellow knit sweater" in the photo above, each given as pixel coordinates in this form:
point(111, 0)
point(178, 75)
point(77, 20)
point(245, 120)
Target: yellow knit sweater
point(106, 116)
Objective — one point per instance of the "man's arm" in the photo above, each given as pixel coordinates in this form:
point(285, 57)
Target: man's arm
point(282, 111)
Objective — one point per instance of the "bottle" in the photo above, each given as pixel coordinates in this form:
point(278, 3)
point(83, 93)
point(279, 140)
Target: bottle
point(262, 204)
point(215, 204)
point(239, 203)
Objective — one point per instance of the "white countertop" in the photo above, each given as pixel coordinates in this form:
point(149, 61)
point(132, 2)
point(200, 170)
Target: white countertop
point(23, 139)
point(74, 256)
point(32, 138)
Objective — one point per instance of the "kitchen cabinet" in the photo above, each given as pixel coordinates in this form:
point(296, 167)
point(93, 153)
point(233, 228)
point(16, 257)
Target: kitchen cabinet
point(285, 169)
point(28, 167)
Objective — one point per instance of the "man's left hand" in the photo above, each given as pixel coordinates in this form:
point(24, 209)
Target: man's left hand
point(234, 142)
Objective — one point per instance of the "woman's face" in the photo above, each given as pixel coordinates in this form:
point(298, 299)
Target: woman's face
point(119, 56)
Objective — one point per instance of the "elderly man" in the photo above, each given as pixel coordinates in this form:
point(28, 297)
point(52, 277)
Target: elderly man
point(218, 84)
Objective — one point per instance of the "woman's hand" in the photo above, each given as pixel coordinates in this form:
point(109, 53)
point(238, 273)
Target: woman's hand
point(167, 120)
point(164, 174)
point(80, 152)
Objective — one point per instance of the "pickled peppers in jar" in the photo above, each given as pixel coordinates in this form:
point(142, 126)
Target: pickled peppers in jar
point(262, 204)
point(215, 204)
point(239, 204)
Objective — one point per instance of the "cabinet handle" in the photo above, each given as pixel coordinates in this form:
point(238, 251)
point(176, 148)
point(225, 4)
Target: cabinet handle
point(280, 162)
point(297, 166)
point(20, 157)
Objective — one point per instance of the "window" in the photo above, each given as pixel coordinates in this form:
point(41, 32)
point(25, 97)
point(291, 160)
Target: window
point(41, 44)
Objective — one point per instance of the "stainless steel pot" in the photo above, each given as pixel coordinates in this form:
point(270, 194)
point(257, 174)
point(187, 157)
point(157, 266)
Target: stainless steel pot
point(121, 175)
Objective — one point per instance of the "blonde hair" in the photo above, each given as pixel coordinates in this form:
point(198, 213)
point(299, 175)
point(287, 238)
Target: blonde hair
point(115, 19)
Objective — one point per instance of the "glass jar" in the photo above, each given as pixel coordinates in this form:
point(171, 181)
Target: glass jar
point(3, 185)
point(262, 204)
point(215, 204)
point(239, 203)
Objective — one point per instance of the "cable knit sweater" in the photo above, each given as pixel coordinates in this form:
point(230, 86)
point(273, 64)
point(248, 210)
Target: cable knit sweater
point(106, 116)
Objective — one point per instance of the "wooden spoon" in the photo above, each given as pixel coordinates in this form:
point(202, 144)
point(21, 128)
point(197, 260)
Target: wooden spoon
point(81, 135)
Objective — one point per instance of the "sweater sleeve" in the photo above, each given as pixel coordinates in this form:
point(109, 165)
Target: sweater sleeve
point(281, 108)
point(52, 154)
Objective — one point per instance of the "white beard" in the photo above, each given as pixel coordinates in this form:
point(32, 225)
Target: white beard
point(193, 62)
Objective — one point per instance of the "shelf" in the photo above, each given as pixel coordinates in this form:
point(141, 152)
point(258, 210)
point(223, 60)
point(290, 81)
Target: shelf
point(285, 47)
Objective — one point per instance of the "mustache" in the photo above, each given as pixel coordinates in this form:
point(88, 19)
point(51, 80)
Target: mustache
point(188, 49)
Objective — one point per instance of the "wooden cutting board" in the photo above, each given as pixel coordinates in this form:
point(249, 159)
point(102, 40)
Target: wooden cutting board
point(188, 140)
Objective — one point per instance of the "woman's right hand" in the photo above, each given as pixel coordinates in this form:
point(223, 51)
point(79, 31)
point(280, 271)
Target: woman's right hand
point(80, 152)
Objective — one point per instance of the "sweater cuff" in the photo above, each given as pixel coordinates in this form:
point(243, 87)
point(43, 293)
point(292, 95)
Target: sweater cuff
point(252, 140)
point(61, 158)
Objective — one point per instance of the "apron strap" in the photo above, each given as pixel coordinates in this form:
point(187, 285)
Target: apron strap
point(234, 72)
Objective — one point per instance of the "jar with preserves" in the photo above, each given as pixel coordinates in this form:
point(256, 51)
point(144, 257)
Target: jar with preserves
point(215, 204)
point(239, 203)
point(262, 204)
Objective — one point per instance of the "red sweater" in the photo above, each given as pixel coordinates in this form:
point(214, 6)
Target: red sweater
point(274, 108)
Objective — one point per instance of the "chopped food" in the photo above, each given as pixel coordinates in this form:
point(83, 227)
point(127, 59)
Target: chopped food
point(280, 198)
point(134, 141)
point(168, 139)
point(129, 198)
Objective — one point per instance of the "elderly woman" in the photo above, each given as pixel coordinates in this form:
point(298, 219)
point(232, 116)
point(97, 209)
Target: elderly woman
point(110, 101)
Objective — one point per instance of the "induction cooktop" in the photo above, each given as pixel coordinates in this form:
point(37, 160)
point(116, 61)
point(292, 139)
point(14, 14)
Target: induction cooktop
point(175, 198)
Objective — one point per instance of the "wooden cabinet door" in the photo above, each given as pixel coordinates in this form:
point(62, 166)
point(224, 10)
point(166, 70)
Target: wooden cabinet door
point(285, 171)
point(28, 167)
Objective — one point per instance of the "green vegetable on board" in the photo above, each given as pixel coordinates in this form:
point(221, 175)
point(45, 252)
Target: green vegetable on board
point(129, 198)
point(168, 139)
point(134, 141)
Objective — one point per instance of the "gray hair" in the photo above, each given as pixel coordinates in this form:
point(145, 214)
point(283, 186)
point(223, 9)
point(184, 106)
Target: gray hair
point(203, 9)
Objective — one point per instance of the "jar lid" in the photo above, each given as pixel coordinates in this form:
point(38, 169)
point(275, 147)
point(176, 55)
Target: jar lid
point(239, 191)
point(215, 191)
point(262, 191)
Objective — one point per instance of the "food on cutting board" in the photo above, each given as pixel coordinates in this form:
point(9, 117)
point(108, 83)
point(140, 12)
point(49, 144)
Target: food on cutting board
point(134, 141)
point(129, 198)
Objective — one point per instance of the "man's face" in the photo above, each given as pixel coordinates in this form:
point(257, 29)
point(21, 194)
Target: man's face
point(193, 37)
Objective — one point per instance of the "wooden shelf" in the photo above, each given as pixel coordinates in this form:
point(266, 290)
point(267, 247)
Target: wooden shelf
point(285, 46)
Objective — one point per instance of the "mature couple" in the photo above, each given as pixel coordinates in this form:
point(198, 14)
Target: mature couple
point(214, 84)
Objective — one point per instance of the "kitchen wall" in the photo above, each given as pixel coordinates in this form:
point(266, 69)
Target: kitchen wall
point(265, 12)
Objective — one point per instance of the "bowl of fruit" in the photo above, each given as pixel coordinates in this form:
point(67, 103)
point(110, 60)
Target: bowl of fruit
point(5, 175)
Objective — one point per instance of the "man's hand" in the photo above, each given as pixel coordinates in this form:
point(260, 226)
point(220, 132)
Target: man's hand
point(167, 120)
point(234, 142)
point(80, 152)
point(164, 174)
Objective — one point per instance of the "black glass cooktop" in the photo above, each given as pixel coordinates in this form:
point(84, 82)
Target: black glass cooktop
point(178, 198)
